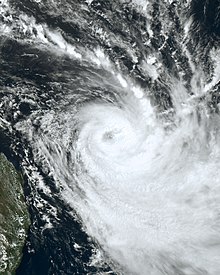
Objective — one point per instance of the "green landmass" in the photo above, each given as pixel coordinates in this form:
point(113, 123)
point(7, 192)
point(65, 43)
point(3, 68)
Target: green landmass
point(14, 217)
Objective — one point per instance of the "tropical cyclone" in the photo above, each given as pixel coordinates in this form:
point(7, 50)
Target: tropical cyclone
point(113, 108)
point(145, 188)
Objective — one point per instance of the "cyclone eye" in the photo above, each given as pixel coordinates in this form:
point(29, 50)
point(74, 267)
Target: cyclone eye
point(111, 134)
point(108, 136)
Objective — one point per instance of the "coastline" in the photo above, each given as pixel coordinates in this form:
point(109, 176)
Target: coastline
point(14, 215)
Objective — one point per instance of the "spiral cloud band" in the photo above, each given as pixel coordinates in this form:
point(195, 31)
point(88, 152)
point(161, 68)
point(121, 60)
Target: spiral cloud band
point(139, 187)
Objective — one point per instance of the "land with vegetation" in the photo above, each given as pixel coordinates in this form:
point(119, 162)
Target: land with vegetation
point(14, 217)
